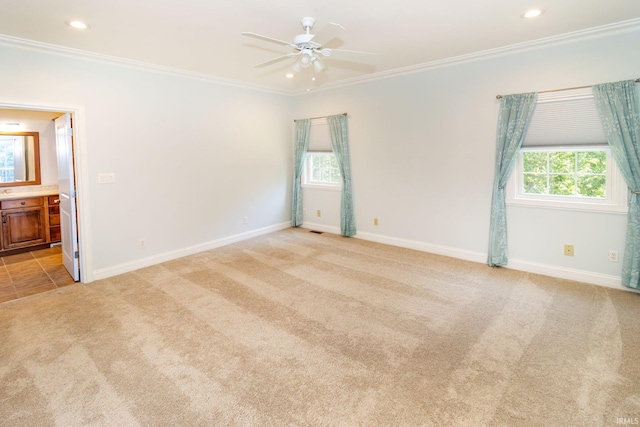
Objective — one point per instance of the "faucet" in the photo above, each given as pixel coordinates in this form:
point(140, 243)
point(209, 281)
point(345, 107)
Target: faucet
point(7, 191)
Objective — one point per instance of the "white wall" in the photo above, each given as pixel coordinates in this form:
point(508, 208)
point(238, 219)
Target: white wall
point(191, 158)
point(422, 151)
point(48, 159)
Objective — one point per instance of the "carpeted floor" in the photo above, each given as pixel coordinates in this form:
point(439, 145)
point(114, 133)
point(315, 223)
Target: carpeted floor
point(296, 328)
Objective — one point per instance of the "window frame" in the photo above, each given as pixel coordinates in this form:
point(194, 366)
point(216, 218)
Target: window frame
point(616, 188)
point(307, 182)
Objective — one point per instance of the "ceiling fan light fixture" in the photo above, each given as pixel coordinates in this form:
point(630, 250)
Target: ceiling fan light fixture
point(318, 66)
point(305, 61)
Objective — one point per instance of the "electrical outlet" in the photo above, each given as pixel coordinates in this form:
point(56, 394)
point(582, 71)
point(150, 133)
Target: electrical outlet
point(613, 256)
point(245, 220)
point(318, 213)
point(568, 250)
point(375, 221)
point(142, 243)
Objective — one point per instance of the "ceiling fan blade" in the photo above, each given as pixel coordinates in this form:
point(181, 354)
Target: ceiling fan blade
point(328, 32)
point(268, 39)
point(273, 61)
point(343, 52)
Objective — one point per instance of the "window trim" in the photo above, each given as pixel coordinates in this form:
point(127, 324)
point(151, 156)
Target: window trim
point(617, 191)
point(306, 172)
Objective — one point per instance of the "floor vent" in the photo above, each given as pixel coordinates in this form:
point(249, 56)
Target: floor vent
point(317, 232)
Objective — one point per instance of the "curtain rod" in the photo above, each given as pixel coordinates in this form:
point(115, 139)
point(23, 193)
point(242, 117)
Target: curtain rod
point(569, 88)
point(319, 117)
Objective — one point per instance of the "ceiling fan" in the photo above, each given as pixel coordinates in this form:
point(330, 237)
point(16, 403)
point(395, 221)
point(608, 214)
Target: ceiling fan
point(308, 46)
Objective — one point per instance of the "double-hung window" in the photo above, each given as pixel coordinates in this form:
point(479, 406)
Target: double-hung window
point(321, 169)
point(565, 161)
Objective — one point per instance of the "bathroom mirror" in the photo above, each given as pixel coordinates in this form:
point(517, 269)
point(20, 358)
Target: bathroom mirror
point(19, 159)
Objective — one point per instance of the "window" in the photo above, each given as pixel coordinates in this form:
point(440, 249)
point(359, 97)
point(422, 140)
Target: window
point(321, 170)
point(584, 178)
point(7, 148)
point(572, 173)
point(565, 162)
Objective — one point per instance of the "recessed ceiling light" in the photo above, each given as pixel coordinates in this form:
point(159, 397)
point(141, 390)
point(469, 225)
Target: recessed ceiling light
point(533, 13)
point(78, 25)
point(289, 75)
point(313, 79)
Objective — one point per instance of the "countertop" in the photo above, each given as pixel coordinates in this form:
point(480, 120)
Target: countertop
point(26, 194)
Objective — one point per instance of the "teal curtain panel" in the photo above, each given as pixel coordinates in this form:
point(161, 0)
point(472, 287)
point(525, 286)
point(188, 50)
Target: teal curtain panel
point(301, 146)
point(338, 128)
point(513, 119)
point(618, 107)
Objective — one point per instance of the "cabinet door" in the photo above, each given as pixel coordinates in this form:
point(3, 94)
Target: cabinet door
point(23, 227)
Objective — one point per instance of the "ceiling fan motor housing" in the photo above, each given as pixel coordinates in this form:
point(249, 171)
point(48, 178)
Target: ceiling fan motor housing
point(302, 39)
point(307, 22)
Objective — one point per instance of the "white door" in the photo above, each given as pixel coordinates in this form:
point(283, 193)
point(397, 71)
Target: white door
point(67, 185)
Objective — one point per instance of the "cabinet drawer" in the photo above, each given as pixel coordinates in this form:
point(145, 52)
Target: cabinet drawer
point(21, 203)
point(55, 233)
point(54, 200)
point(54, 220)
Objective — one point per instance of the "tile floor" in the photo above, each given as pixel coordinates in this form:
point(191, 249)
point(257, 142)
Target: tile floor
point(30, 273)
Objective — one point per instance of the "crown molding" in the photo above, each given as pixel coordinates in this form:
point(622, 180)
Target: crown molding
point(617, 28)
point(31, 45)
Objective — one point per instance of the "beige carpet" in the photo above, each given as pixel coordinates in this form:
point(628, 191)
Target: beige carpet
point(295, 328)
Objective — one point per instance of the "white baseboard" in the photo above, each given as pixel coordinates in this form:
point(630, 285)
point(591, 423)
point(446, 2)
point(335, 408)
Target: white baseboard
point(515, 264)
point(321, 227)
point(583, 276)
point(425, 247)
point(168, 256)
point(405, 243)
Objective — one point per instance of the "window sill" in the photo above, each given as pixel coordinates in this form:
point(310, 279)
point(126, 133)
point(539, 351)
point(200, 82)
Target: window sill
point(322, 187)
point(570, 206)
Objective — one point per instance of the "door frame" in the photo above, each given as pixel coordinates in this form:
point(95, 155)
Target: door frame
point(81, 173)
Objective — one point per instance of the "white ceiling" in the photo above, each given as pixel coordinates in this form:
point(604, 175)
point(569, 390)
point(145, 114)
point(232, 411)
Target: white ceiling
point(203, 36)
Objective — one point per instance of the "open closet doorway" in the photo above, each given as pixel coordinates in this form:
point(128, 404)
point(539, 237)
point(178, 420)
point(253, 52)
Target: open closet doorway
point(39, 236)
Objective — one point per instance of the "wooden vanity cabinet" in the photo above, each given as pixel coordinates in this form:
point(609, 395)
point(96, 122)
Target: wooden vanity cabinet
point(53, 215)
point(29, 221)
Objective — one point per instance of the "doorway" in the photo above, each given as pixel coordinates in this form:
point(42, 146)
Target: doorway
point(42, 267)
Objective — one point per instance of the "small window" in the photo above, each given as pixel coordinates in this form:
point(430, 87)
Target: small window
point(321, 170)
point(7, 151)
point(584, 178)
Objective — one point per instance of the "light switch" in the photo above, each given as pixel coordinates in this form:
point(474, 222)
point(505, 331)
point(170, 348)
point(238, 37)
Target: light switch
point(106, 178)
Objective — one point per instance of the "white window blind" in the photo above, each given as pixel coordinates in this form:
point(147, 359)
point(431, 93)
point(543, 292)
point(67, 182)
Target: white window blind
point(319, 136)
point(564, 119)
